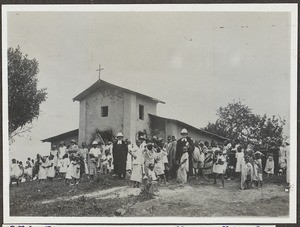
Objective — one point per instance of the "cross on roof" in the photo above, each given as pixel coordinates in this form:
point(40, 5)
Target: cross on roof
point(100, 70)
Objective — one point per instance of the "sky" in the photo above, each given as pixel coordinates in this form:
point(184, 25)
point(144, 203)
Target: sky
point(194, 61)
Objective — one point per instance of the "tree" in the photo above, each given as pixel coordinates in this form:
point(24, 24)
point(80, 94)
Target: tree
point(236, 121)
point(24, 98)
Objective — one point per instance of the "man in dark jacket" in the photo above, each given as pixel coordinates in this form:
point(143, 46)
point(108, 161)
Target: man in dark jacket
point(120, 150)
point(185, 140)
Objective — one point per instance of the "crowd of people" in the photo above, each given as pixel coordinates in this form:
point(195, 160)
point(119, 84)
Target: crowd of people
point(154, 160)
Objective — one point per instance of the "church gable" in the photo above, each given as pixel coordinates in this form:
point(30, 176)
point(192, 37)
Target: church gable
point(101, 110)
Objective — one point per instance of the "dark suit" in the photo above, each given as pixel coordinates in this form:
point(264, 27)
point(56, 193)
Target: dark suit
point(120, 152)
point(179, 147)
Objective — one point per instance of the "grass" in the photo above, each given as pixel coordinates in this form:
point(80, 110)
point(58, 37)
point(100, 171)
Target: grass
point(26, 200)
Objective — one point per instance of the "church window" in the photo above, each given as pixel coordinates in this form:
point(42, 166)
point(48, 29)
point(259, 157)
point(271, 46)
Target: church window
point(104, 111)
point(141, 112)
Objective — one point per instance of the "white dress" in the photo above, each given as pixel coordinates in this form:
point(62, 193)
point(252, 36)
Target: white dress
point(220, 168)
point(64, 166)
point(184, 168)
point(129, 159)
point(15, 170)
point(97, 154)
point(70, 170)
point(159, 166)
point(51, 170)
point(76, 170)
point(55, 159)
point(269, 168)
point(42, 172)
point(239, 160)
point(137, 165)
point(61, 152)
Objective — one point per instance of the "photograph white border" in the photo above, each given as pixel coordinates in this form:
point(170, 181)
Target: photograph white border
point(291, 8)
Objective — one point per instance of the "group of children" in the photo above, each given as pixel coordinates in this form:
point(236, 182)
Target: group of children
point(149, 161)
point(238, 162)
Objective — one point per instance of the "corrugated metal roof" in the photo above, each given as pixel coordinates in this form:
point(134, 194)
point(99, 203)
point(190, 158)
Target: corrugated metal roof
point(100, 83)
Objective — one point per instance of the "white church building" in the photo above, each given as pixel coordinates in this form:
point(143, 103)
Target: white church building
point(105, 106)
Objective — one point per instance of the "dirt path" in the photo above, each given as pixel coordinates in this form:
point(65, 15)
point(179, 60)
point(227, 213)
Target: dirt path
point(197, 199)
point(210, 200)
point(117, 192)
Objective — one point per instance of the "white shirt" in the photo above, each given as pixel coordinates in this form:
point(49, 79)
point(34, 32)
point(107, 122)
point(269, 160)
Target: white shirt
point(95, 151)
point(119, 142)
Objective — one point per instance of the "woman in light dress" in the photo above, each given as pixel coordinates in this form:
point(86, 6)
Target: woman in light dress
point(219, 166)
point(183, 166)
point(137, 164)
point(42, 170)
point(51, 168)
point(239, 155)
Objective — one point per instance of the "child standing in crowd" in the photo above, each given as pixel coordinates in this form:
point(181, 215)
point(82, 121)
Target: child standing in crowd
point(166, 165)
point(269, 168)
point(28, 170)
point(137, 164)
point(196, 159)
point(149, 179)
point(201, 159)
point(282, 158)
point(246, 174)
point(159, 167)
point(183, 166)
point(257, 169)
point(239, 155)
point(14, 172)
point(70, 169)
point(106, 159)
point(76, 171)
point(42, 170)
point(208, 161)
point(64, 165)
point(92, 163)
point(51, 168)
point(231, 164)
point(36, 167)
point(151, 175)
point(22, 171)
point(219, 167)
point(149, 156)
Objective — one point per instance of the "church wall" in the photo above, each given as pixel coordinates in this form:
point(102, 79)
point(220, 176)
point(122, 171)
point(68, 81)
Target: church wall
point(112, 98)
point(130, 114)
point(149, 108)
point(82, 120)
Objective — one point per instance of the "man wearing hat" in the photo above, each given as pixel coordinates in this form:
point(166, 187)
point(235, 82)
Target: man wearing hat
point(185, 140)
point(120, 151)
